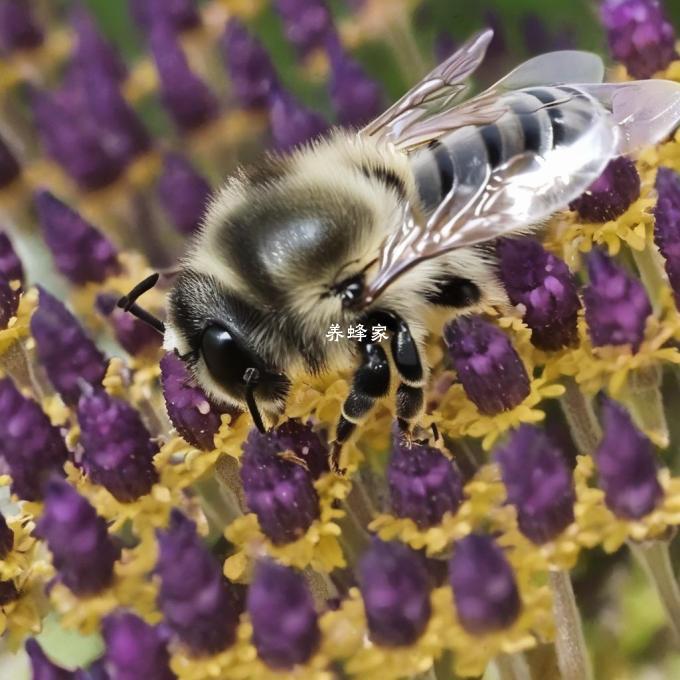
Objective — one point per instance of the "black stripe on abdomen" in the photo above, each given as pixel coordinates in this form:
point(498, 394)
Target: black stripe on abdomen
point(531, 129)
point(444, 165)
point(493, 143)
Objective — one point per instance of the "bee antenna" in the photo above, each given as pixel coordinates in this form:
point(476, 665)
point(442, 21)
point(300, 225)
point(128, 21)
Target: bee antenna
point(251, 377)
point(128, 303)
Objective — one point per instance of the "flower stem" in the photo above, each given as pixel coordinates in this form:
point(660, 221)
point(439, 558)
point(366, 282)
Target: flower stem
point(578, 410)
point(512, 667)
point(643, 398)
point(572, 654)
point(651, 271)
point(654, 556)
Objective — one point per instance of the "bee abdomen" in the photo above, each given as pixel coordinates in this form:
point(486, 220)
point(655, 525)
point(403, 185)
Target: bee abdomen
point(537, 120)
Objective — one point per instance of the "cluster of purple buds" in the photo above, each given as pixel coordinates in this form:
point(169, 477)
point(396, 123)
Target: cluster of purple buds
point(546, 288)
point(18, 27)
point(11, 278)
point(134, 336)
point(307, 23)
point(42, 668)
point(488, 366)
point(538, 483)
point(69, 356)
point(32, 447)
point(639, 34)
point(667, 225)
point(293, 124)
point(278, 490)
point(118, 450)
point(82, 551)
point(617, 305)
point(182, 15)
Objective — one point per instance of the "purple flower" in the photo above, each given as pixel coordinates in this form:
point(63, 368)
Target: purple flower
point(307, 23)
point(424, 484)
point(18, 28)
point(483, 584)
point(279, 491)
point(492, 374)
point(8, 593)
point(117, 448)
point(667, 225)
point(186, 97)
point(395, 587)
point(626, 465)
point(538, 482)
point(252, 74)
point(293, 124)
point(305, 443)
point(82, 550)
point(41, 667)
point(134, 649)
point(135, 336)
point(33, 448)
point(9, 166)
point(81, 252)
point(69, 356)
point(281, 608)
point(356, 98)
point(92, 49)
point(611, 194)
point(10, 264)
point(639, 35)
point(546, 288)
point(73, 139)
point(194, 415)
point(617, 305)
point(538, 37)
point(9, 301)
point(183, 193)
point(6, 538)
point(181, 14)
point(194, 596)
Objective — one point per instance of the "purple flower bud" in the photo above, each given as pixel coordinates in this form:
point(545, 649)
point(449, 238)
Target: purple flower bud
point(67, 353)
point(10, 264)
point(281, 608)
point(639, 35)
point(617, 305)
point(182, 15)
point(305, 443)
point(490, 370)
point(279, 491)
point(356, 98)
point(667, 225)
point(18, 28)
point(186, 97)
point(134, 649)
point(252, 74)
point(117, 448)
point(194, 415)
point(6, 538)
point(293, 124)
point(424, 484)
point(135, 336)
point(538, 483)
point(9, 166)
point(9, 302)
point(545, 286)
point(81, 252)
point(626, 465)
point(395, 587)
point(611, 194)
point(183, 193)
point(444, 46)
point(483, 584)
point(194, 596)
point(92, 50)
point(307, 23)
point(73, 139)
point(8, 593)
point(33, 448)
point(82, 550)
point(539, 39)
point(41, 667)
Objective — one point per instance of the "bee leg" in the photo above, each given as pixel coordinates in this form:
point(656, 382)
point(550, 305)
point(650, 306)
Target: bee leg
point(371, 381)
point(410, 397)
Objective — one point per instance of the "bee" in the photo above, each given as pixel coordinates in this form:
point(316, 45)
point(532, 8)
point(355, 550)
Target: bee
point(391, 226)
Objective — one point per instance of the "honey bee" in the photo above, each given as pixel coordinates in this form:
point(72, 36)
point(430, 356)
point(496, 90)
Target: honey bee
point(392, 226)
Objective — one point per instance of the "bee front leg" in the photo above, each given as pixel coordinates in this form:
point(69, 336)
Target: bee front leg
point(371, 382)
point(410, 396)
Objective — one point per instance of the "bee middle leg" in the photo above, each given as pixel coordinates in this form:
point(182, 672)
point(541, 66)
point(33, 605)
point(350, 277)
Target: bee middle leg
point(407, 360)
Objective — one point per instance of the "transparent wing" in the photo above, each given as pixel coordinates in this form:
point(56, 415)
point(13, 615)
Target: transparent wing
point(530, 187)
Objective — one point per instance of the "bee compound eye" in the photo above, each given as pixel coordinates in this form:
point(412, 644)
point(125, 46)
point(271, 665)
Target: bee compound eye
point(225, 358)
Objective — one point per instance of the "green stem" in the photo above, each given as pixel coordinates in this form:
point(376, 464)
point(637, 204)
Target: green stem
point(572, 654)
point(512, 667)
point(651, 271)
point(403, 44)
point(583, 423)
point(654, 556)
point(643, 398)
point(228, 475)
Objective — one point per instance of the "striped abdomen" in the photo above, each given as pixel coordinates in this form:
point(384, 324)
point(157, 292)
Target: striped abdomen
point(538, 119)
